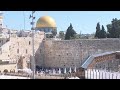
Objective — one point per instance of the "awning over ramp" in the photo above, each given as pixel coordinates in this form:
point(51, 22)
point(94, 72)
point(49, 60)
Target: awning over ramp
point(91, 58)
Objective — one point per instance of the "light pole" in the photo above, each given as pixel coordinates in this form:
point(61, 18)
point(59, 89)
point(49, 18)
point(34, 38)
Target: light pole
point(33, 58)
point(81, 52)
point(24, 19)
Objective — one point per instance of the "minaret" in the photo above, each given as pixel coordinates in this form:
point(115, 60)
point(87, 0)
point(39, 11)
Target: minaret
point(1, 19)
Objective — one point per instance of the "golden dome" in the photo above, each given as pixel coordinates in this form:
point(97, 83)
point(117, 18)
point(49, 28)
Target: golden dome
point(45, 21)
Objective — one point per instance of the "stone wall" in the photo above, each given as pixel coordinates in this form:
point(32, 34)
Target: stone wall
point(71, 53)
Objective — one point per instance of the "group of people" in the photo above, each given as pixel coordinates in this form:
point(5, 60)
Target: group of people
point(55, 71)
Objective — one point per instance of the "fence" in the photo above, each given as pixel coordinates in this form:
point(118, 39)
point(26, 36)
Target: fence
point(101, 74)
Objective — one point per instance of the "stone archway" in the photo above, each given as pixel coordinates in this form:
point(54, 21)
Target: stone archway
point(5, 71)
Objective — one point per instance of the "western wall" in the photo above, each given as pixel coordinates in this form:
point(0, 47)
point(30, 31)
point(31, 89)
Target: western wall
point(71, 53)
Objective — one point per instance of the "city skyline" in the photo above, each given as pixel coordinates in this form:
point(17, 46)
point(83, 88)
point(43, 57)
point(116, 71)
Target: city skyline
point(82, 21)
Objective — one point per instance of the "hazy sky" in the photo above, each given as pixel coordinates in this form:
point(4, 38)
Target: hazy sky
point(84, 21)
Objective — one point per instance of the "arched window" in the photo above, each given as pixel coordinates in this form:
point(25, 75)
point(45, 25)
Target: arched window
point(5, 71)
point(17, 50)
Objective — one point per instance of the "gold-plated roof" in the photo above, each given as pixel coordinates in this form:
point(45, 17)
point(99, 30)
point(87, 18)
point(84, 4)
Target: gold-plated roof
point(45, 21)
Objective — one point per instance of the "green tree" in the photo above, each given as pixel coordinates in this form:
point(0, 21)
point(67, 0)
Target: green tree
point(113, 29)
point(97, 35)
point(102, 33)
point(54, 32)
point(62, 35)
point(70, 33)
point(76, 36)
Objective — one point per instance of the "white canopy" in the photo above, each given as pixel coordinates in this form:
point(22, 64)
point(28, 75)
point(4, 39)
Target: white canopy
point(26, 70)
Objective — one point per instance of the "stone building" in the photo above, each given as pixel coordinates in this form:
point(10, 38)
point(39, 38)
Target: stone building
point(17, 47)
point(6, 65)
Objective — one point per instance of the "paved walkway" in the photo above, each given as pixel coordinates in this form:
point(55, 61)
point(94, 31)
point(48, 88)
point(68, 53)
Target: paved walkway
point(12, 77)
